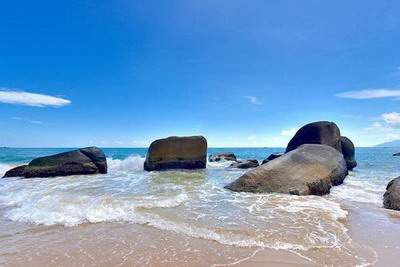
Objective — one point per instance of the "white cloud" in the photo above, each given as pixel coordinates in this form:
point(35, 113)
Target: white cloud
point(385, 129)
point(289, 132)
point(27, 120)
point(31, 99)
point(370, 94)
point(253, 100)
point(392, 118)
point(36, 122)
point(16, 118)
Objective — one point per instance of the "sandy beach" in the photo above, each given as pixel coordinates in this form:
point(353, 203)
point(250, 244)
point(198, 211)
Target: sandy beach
point(374, 234)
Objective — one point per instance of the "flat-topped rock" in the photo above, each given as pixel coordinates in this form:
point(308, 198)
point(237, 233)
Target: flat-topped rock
point(83, 161)
point(320, 132)
point(310, 169)
point(245, 164)
point(177, 153)
point(228, 156)
point(391, 198)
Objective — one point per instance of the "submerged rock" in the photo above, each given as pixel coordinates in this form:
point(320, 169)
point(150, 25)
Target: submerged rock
point(229, 156)
point(320, 132)
point(272, 157)
point(396, 154)
point(89, 160)
point(245, 164)
point(391, 198)
point(311, 169)
point(348, 152)
point(177, 153)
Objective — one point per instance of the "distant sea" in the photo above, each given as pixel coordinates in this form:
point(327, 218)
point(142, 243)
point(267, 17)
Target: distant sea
point(183, 206)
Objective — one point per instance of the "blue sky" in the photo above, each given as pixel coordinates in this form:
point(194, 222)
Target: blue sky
point(242, 73)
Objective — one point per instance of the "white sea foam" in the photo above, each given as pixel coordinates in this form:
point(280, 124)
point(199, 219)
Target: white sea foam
point(130, 164)
point(357, 190)
point(4, 167)
point(219, 164)
point(192, 203)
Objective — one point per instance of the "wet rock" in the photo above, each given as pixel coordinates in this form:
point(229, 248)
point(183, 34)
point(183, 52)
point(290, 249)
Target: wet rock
point(396, 154)
point(245, 164)
point(16, 172)
point(89, 160)
point(228, 156)
point(320, 132)
point(177, 153)
point(310, 169)
point(391, 198)
point(348, 152)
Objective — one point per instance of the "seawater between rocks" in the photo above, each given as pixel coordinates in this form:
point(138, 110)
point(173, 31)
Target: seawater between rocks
point(132, 217)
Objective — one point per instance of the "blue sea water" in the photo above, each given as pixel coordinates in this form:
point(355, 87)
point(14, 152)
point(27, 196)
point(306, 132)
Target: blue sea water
point(195, 203)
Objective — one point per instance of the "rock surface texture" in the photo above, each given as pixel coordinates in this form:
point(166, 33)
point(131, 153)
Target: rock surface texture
point(391, 199)
point(311, 169)
point(177, 153)
point(89, 160)
point(348, 152)
point(320, 132)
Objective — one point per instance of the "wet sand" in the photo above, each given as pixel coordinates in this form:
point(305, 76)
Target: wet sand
point(375, 235)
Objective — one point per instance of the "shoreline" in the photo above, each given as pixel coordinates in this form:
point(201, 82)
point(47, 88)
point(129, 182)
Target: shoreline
point(126, 244)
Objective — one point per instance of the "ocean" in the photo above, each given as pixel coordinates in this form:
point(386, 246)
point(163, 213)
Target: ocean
point(130, 217)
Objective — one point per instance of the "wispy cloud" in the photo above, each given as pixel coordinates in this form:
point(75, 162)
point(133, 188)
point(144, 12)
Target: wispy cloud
point(371, 94)
point(31, 99)
point(392, 118)
point(254, 100)
point(27, 120)
point(384, 129)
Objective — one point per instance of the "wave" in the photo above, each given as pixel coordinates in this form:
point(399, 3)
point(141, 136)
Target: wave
point(129, 164)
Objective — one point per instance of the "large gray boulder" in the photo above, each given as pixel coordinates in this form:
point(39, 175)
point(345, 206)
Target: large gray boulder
point(245, 164)
point(89, 160)
point(391, 198)
point(177, 153)
point(348, 152)
point(309, 170)
point(229, 156)
point(320, 132)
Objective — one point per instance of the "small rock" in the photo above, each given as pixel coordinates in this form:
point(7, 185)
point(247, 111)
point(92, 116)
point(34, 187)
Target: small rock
point(272, 157)
point(245, 164)
point(391, 198)
point(228, 156)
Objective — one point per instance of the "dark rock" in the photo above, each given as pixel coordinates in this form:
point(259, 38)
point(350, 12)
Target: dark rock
point(348, 152)
point(97, 156)
point(391, 198)
point(89, 160)
point(245, 164)
point(309, 170)
point(229, 156)
point(272, 157)
point(177, 153)
point(396, 155)
point(320, 132)
point(16, 172)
